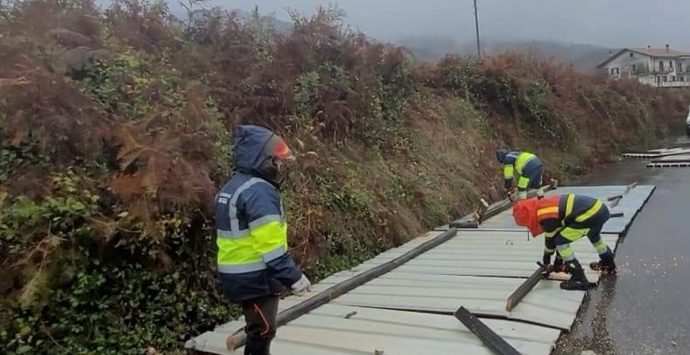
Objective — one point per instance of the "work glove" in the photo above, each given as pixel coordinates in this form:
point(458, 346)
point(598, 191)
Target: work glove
point(302, 285)
point(559, 266)
point(548, 269)
point(546, 264)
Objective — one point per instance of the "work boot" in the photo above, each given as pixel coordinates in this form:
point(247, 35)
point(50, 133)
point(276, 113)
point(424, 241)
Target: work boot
point(606, 264)
point(578, 280)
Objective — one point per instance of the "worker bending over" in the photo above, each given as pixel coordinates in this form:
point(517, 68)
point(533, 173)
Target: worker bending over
point(564, 219)
point(523, 166)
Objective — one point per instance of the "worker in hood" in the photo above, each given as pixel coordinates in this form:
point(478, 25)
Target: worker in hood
point(253, 264)
point(524, 167)
point(564, 219)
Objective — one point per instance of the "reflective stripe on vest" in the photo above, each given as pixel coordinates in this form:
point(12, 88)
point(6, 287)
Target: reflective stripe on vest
point(522, 160)
point(569, 202)
point(241, 268)
point(252, 266)
point(247, 250)
point(590, 212)
point(235, 231)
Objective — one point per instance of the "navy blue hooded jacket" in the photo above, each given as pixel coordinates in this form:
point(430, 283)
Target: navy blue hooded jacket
point(251, 228)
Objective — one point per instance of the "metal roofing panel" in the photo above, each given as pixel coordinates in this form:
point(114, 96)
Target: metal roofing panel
point(543, 305)
point(499, 254)
point(670, 158)
point(333, 329)
point(504, 328)
point(354, 271)
point(368, 342)
point(214, 343)
point(437, 281)
point(495, 255)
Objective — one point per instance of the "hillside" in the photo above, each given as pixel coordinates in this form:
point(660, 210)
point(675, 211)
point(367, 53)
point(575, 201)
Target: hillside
point(583, 57)
point(115, 136)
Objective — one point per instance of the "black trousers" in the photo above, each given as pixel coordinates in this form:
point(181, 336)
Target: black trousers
point(260, 315)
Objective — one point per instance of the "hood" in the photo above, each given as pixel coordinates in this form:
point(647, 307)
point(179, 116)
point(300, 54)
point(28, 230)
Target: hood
point(248, 150)
point(501, 155)
point(525, 215)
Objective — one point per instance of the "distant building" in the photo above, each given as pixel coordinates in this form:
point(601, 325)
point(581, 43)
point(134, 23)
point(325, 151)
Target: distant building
point(660, 67)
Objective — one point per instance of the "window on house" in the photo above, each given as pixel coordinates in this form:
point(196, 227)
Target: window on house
point(658, 79)
point(673, 78)
point(665, 78)
point(634, 67)
point(681, 78)
point(632, 54)
point(661, 66)
point(680, 66)
point(670, 65)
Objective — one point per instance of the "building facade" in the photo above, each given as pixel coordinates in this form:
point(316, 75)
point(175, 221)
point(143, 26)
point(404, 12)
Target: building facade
point(659, 67)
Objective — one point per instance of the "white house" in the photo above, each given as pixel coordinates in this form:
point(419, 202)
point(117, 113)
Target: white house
point(660, 67)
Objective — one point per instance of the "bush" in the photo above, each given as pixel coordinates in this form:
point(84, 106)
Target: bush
point(114, 138)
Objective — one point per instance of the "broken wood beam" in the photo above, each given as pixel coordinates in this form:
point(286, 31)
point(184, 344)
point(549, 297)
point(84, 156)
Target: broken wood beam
point(629, 187)
point(615, 202)
point(524, 289)
point(474, 219)
point(492, 340)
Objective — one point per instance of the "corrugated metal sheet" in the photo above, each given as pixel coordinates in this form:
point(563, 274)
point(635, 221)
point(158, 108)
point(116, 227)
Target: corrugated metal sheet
point(334, 329)
point(489, 253)
point(656, 153)
point(683, 164)
point(673, 158)
point(408, 310)
point(442, 279)
point(630, 204)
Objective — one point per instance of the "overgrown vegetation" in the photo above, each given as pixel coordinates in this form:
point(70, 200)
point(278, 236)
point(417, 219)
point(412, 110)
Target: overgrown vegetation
point(114, 130)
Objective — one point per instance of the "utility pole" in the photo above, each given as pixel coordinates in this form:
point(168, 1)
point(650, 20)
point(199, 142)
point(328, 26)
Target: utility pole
point(476, 25)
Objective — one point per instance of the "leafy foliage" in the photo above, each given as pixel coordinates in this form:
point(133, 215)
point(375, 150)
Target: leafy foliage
point(114, 137)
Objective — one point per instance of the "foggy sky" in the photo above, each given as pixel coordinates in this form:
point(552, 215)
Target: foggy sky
point(612, 23)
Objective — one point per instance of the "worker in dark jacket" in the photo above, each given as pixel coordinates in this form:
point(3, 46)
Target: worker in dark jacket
point(523, 166)
point(253, 263)
point(564, 219)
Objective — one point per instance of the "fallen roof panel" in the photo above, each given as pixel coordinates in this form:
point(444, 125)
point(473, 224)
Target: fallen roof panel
point(335, 329)
point(409, 309)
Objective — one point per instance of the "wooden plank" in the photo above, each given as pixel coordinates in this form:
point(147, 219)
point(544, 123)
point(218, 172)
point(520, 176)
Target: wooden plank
point(238, 339)
point(468, 220)
point(492, 340)
point(629, 187)
point(524, 288)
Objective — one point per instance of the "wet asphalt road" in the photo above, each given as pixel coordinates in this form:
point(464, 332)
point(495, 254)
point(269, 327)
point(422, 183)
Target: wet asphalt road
point(645, 309)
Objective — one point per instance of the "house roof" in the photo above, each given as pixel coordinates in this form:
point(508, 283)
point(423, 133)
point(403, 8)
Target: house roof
point(652, 52)
point(660, 52)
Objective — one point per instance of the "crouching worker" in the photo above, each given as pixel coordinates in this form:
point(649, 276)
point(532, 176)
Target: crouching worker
point(564, 219)
point(253, 264)
point(524, 167)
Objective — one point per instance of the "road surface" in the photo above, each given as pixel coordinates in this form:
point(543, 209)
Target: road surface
point(645, 309)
